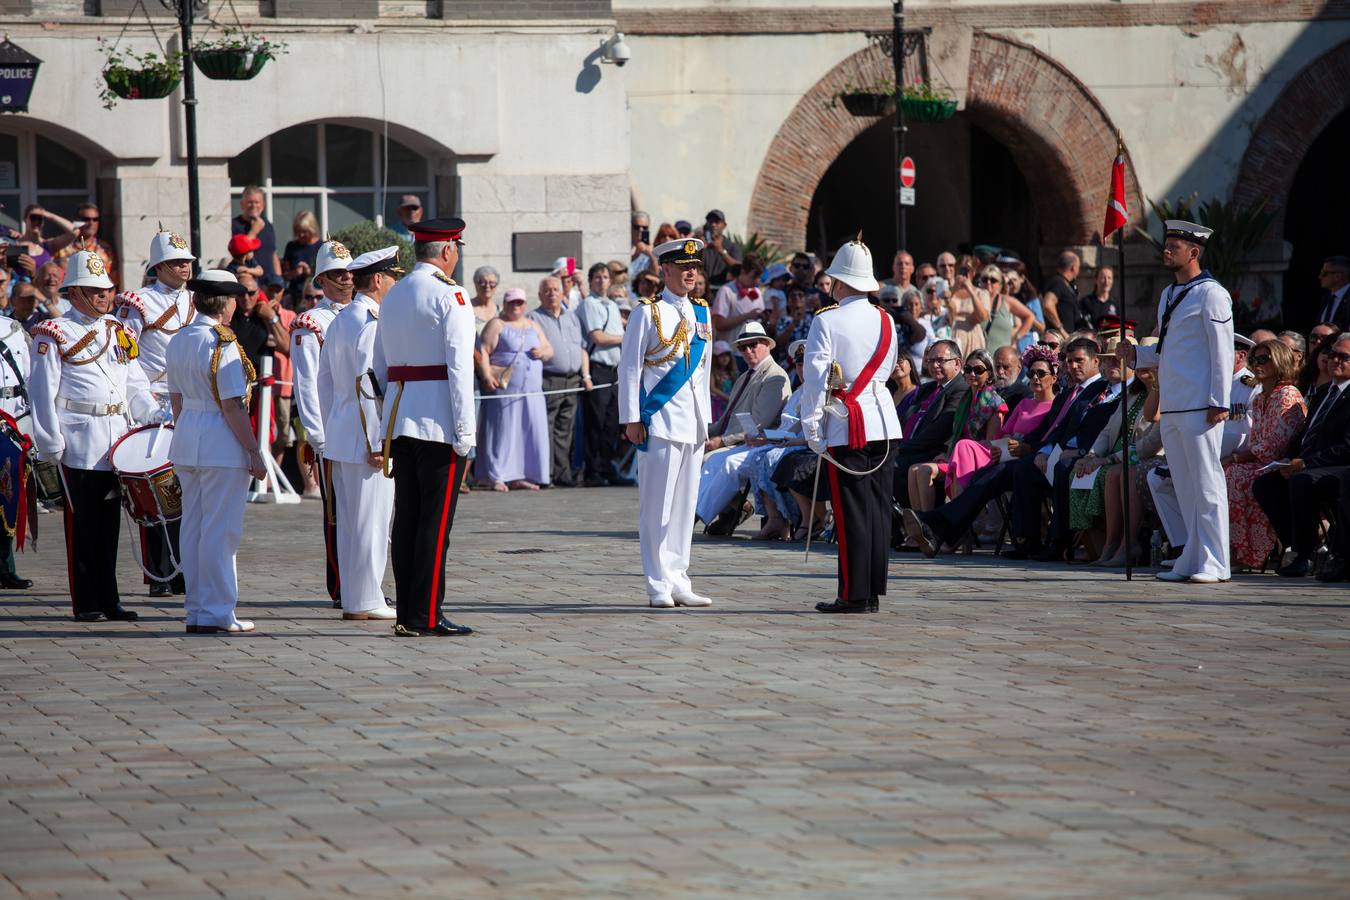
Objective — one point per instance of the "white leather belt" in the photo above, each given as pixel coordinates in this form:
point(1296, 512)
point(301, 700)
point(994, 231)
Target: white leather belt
point(89, 409)
point(9, 393)
point(200, 405)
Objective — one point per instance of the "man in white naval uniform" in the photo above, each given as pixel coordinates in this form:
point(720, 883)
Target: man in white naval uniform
point(424, 357)
point(665, 409)
point(14, 366)
point(1236, 429)
point(87, 389)
point(1194, 359)
point(849, 419)
point(307, 336)
point(154, 314)
point(362, 496)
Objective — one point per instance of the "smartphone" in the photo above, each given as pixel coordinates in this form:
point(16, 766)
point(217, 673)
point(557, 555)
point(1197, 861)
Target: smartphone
point(646, 235)
point(13, 252)
point(963, 271)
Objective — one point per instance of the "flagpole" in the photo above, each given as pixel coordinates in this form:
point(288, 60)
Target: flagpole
point(1126, 437)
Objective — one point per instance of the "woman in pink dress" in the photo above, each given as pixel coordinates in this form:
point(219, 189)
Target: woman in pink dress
point(970, 455)
point(979, 416)
point(1278, 411)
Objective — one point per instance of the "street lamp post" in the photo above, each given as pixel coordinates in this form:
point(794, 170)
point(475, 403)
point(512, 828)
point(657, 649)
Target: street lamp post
point(186, 11)
point(898, 60)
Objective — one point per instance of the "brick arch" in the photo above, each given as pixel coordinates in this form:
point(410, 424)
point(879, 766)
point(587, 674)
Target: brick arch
point(1306, 106)
point(1057, 131)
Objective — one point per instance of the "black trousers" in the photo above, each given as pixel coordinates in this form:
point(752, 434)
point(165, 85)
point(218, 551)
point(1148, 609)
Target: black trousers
point(426, 491)
point(600, 409)
point(155, 554)
point(7, 554)
point(93, 518)
point(1294, 505)
point(562, 425)
point(324, 476)
point(1029, 489)
point(862, 519)
point(953, 519)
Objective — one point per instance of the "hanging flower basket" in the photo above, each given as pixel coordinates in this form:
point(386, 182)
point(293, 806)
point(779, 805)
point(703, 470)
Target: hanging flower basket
point(229, 64)
point(867, 105)
point(928, 109)
point(138, 76)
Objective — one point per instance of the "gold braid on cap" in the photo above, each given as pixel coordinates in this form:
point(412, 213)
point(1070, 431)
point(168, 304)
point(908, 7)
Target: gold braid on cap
point(225, 335)
point(678, 341)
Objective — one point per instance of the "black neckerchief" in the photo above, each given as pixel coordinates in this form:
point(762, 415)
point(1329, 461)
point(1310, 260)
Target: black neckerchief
point(1175, 302)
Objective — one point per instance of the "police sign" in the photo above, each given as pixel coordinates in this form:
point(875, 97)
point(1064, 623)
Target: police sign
point(18, 71)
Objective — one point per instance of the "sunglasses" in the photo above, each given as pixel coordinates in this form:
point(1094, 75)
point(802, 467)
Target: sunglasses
point(487, 284)
point(801, 265)
point(991, 281)
point(1038, 373)
point(89, 218)
point(1338, 356)
point(1260, 359)
point(974, 370)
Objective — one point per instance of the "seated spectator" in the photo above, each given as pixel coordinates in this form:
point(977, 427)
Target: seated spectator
point(1009, 380)
point(301, 252)
point(934, 417)
point(902, 383)
point(979, 418)
point(758, 393)
point(1264, 334)
point(774, 282)
point(1314, 474)
point(935, 317)
point(781, 513)
point(795, 323)
point(722, 378)
point(1294, 341)
point(1316, 367)
point(242, 247)
point(1097, 305)
point(1278, 414)
point(514, 439)
point(820, 296)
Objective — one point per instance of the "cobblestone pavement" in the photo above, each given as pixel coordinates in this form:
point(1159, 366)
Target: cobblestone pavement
point(998, 731)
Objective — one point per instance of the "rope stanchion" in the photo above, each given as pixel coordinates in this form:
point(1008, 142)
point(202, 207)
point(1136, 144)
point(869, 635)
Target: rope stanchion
point(280, 490)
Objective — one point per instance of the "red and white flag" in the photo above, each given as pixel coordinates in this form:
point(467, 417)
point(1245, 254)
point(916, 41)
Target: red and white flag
point(1116, 214)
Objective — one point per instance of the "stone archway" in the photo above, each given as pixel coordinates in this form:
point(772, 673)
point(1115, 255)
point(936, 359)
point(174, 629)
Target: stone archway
point(1059, 134)
point(1303, 110)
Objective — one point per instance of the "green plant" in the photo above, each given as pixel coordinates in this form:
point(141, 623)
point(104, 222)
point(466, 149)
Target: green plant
point(125, 71)
point(1237, 232)
point(765, 250)
point(240, 40)
point(362, 237)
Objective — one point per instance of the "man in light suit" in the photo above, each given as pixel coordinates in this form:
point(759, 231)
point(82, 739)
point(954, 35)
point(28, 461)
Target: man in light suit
point(664, 406)
point(759, 392)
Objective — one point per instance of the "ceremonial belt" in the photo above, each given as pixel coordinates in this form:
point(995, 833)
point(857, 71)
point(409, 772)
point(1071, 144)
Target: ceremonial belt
point(676, 377)
point(857, 426)
point(419, 373)
point(10, 393)
point(89, 409)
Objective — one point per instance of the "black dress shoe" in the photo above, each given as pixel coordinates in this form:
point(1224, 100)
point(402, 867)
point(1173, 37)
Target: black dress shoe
point(160, 589)
point(91, 616)
point(122, 614)
point(337, 604)
point(844, 606)
point(874, 605)
point(15, 583)
point(1053, 553)
point(1299, 568)
point(389, 602)
point(620, 481)
point(596, 482)
point(444, 628)
point(1021, 551)
point(1333, 570)
point(178, 586)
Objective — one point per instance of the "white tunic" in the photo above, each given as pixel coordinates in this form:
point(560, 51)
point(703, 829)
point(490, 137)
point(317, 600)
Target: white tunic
point(15, 340)
point(201, 436)
point(427, 320)
point(308, 332)
point(685, 419)
point(848, 335)
point(154, 314)
point(1195, 368)
point(97, 375)
point(348, 353)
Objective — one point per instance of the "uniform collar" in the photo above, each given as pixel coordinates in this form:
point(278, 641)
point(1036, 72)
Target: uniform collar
point(363, 300)
point(160, 287)
point(80, 318)
point(847, 300)
point(673, 298)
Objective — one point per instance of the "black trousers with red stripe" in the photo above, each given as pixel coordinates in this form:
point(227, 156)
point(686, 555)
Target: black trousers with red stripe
point(323, 474)
point(426, 491)
point(93, 517)
point(862, 519)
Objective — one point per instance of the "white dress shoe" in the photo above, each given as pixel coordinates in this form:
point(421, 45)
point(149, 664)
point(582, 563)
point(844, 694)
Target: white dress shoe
point(379, 612)
point(1169, 575)
point(662, 602)
point(1205, 578)
point(238, 626)
point(692, 599)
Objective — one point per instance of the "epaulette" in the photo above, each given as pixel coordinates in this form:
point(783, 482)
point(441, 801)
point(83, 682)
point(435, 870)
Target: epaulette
point(827, 308)
point(49, 328)
point(1248, 380)
point(697, 302)
point(225, 334)
point(441, 276)
point(307, 322)
point(129, 300)
point(646, 301)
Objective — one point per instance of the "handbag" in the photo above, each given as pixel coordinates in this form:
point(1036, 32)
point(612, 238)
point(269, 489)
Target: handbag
point(503, 375)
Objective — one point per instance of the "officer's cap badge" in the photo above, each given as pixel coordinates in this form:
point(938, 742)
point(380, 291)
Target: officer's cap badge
point(95, 265)
point(340, 251)
point(176, 241)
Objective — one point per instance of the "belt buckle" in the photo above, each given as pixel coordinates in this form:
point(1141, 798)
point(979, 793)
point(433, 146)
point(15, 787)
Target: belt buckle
point(114, 408)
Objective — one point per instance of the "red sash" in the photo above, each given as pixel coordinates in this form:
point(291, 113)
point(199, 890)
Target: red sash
point(857, 428)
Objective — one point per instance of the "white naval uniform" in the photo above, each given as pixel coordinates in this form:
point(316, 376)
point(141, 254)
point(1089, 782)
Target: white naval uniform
point(154, 314)
point(363, 496)
point(12, 382)
point(1195, 372)
point(847, 334)
point(668, 470)
point(212, 468)
point(308, 331)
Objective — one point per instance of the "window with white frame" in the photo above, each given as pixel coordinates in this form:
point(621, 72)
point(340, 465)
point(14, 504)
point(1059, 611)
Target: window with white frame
point(341, 173)
point(37, 169)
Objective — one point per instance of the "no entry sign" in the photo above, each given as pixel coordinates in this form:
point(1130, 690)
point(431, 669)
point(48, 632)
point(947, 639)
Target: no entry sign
point(907, 172)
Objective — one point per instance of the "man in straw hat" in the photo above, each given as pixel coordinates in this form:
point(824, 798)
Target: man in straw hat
point(87, 389)
point(1194, 358)
point(308, 332)
point(849, 420)
point(665, 407)
point(154, 314)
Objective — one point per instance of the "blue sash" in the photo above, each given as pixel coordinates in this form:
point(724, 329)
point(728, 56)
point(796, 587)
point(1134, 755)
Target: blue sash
point(675, 378)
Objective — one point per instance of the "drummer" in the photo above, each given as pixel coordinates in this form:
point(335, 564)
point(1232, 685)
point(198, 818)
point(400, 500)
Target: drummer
point(87, 389)
point(154, 314)
point(14, 366)
point(214, 451)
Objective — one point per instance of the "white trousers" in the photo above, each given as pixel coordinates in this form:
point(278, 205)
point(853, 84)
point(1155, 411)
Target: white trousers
point(1192, 448)
point(208, 538)
point(668, 476)
point(364, 501)
point(721, 478)
point(1169, 507)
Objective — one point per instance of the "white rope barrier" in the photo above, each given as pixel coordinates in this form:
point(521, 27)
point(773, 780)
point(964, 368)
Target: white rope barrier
point(578, 390)
point(273, 487)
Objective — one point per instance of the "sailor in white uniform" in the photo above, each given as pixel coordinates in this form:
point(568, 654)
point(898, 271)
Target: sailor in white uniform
point(14, 366)
point(348, 401)
point(665, 407)
point(308, 332)
point(154, 314)
point(424, 361)
point(87, 390)
point(1194, 358)
point(849, 419)
point(214, 451)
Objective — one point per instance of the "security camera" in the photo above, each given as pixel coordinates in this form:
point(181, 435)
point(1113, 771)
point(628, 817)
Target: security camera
point(616, 50)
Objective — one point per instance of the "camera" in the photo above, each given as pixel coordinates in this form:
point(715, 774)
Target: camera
point(646, 235)
point(616, 50)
